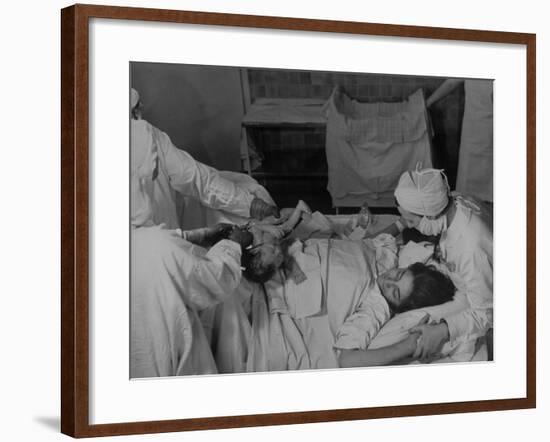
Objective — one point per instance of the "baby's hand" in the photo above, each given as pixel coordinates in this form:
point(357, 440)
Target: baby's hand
point(284, 215)
point(275, 231)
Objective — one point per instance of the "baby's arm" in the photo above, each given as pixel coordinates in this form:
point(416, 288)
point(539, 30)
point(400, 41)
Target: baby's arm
point(292, 219)
point(301, 209)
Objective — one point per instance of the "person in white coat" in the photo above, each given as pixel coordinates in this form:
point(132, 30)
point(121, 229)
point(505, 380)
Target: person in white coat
point(159, 169)
point(172, 279)
point(465, 247)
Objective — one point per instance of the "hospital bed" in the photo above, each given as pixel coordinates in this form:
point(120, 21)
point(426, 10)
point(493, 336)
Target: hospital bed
point(397, 328)
point(230, 326)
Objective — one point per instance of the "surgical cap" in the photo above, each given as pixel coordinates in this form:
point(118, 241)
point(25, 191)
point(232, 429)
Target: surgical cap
point(423, 191)
point(134, 98)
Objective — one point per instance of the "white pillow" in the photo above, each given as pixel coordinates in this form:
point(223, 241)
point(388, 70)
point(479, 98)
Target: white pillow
point(397, 328)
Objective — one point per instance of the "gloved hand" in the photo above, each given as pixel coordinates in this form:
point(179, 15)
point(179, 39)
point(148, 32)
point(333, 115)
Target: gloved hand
point(259, 209)
point(220, 231)
point(241, 236)
point(208, 236)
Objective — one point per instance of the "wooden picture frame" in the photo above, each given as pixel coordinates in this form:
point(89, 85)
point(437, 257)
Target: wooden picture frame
point(75, 218)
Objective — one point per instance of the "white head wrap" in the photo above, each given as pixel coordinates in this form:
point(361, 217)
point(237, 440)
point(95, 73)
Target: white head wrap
point(134, 98)
point(423, 191)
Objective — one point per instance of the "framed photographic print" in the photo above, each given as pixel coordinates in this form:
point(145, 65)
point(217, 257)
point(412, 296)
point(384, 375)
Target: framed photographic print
point(272, 220)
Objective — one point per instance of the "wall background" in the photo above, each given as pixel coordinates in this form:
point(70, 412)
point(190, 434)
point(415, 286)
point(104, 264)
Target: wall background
point(199, 107)
point(29, 281)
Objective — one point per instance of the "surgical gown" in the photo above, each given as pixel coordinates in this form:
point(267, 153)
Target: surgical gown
point(467, 249)
point(159, 169)
point(171, 281)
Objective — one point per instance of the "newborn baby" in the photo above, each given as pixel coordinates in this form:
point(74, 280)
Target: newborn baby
point(283, 226)
point(271, 239)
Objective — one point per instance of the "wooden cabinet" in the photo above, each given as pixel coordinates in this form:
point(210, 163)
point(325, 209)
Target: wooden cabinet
point(284, 149)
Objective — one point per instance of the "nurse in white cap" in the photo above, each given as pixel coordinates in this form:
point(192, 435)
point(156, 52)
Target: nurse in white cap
point(466, 247)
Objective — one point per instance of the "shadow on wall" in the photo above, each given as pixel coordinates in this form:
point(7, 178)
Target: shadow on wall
point(199, 107)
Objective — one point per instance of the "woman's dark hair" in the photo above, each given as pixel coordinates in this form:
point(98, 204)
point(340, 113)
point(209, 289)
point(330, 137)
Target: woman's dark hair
point(254, 269)
point(430, 287)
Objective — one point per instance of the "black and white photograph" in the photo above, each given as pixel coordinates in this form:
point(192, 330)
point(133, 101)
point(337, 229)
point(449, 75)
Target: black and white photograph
point(274, 221)
point(303, 220)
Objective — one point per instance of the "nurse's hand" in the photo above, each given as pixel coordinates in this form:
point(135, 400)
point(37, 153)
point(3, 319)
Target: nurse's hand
point(432, 339)
point(220, 231)
point(241, 236)
point(223, 229)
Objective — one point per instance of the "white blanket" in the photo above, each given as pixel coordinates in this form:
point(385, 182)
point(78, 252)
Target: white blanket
point(339, 306)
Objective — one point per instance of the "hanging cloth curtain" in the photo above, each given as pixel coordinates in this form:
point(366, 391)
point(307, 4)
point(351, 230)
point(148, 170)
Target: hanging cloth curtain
point(369, 146)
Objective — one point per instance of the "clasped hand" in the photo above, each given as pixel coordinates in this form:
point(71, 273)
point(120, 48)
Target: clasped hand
point(430, 339)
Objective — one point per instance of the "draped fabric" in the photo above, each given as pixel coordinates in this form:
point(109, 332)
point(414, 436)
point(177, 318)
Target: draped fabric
point(369, 145)
point(475, 162)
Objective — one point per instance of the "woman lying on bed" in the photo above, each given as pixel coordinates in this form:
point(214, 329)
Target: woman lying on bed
point(328, 298)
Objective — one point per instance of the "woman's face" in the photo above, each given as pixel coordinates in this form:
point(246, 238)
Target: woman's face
point(396, 285)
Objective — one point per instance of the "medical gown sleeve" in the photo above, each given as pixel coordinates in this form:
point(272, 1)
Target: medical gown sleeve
point(204, 183)
point(170, 281)
point(215, 276)
point(477, 273)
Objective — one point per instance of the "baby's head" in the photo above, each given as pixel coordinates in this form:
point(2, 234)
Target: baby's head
point(261, 261)
point(266, 255)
